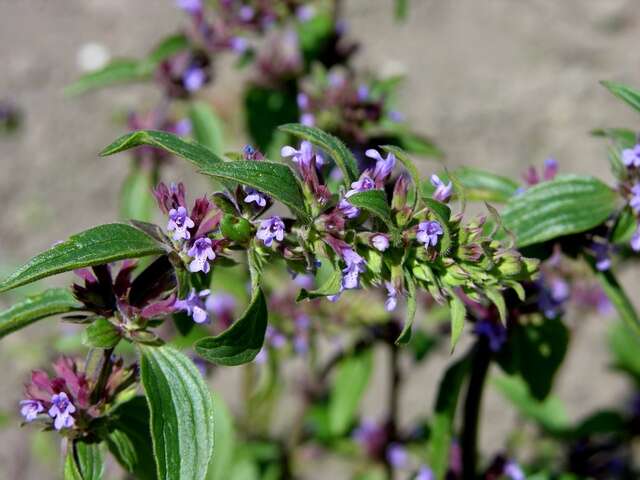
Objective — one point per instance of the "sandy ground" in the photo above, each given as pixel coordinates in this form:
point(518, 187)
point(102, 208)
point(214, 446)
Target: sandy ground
point(500, 84)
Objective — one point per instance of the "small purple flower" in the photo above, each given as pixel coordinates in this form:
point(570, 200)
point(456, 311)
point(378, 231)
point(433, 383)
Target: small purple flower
point(305, 13)
point(254, 196)
point(308, 119)
point(391, 302)
point(397, 456)
point(363, 92)
point(494, 332)
point(221, 304)
point(275, 338)
point(179, 223)
point(355, 266)
point(634, 202)
point(364, 183)
point(513, 471)
point(201, 252)
point(384, 166)
point(631, 157)
point(603, 259)
point(396, 116)
point(271, 229)
point(246, 13)
point(380, 241)
point(190, 6)
point(428, 233)
point(30, 409)
point(347, 209)
point(302, 100)
point(262, 356)
point(194, 78)
point(635, 241)
point(61, 410)
point(302, 157)
point(182, 127)
point(443, 192)
point(194, 306)
point(424, 473)
point(550, 169)
point(239, 44)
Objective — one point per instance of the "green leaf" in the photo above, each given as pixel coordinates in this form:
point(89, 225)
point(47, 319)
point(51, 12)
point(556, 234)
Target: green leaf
point(242, 341)
point(401, 9)
point(96, 246)
point(550, 414)
point(181, 413)
point(101, 334)
point(331, 286)
point(498, 300)
point(130, 438)
point(418, 144)
point(409, 166)
point(442, 424)
point(624, 346)
point(458, 315)
point(207, 127)
point(275, 179)
point(375, 202)
point(136, 198)
point(50, 302)
point(265, 109)
point(625, 226)
point(168, 47)
point(333, 146)
point(617, 296)
point(629, 95)
point(624, 137)
point(351, 380)
point(224, 441)
point(569, 204)
point(481, 185)
point(84, 462)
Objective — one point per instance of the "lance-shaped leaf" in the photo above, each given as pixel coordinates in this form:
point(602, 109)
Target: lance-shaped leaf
point(570, 204)
point(242, 341)
point(375, 202)
point(96, 246)
point(351, 380)
point(128, 70)
point(331, 286)
point(458, 314)
point(275, 179)
point(485, 186)
point(48, 303)
point(412, 306)
point(181, 411)
point(136, 200)
point(442, 424)
point(84, 462)
point(333, 146)
point(629, 95)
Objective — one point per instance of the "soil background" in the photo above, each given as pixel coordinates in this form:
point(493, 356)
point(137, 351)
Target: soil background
point(500, 84)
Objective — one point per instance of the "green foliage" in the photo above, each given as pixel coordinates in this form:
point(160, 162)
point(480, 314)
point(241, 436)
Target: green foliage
point(136, 201)
point(241, 342)
point(351, 380)
point(207, 127)
point(458, 315)
point(96, 246)
point(48, 303)
point(627, 94)
point(224, 440)
point(101, 334)
point(343, 157)
point(375, 202)
point(408, 164)
point(84, 462)
point(481, 185)
point(265, 109)
point(624, 345)
point(181, 413)
point(569, 204)
point(617, 296)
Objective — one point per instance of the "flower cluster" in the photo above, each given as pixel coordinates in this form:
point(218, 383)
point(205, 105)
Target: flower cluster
point(72, 398)
point(630, 188)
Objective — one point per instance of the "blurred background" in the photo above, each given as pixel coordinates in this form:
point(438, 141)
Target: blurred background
point(498, 84)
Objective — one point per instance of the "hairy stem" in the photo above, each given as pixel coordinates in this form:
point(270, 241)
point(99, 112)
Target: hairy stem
point(472, 403)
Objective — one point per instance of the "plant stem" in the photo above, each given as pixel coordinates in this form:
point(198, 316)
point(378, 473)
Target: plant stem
point(103, 376)
point(480, 367)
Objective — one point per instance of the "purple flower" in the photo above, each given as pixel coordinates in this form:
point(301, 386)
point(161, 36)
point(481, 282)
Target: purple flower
point(513, 471)
point(303, 101)
point(201, 252)
point(182, 127)
point(262, 356)
point(238, 44)
point(347, 209)
point(254, 196)
point(392, 297)
point(246, 13)
point(302, 157)
point(424, 473)
point(190, 6)
point(550, 169)
point(364, 183)
point(634, 202)
point(275, 338)
point(194, 306)
point(396, 116)
point(631, 157)
point(355, 266)
point(61, 410)
point(179, 223)
point(305, 13)
point(221, 304)
point(308, 119)
point(494, 332)
point(443, 192)
point(384, 166)
point(271, 229)
point(380, 241)
point(635, 241)
point(363, 92)
point(603, 260)
point(30, 409)
point(428, 233)
point(397, 456)
point(194, 78)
